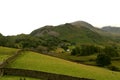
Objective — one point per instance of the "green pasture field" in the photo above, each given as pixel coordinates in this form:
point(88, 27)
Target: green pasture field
point(89, 60)
point(6, 52)
point(35, 61)
point(116, 63)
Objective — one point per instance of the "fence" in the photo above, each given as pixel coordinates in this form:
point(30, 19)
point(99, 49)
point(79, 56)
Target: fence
point(10, 59)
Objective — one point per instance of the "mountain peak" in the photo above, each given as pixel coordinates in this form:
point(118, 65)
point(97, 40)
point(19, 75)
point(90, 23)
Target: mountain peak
point(111, 29)
point(82, 24)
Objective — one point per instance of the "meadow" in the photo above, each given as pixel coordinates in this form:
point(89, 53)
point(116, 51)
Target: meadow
point(35, 61)
point(116, 63)
point(88, 60)
point(6, 52)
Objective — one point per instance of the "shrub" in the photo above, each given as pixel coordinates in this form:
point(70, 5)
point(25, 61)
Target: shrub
point(103, 60)
point(113, 68)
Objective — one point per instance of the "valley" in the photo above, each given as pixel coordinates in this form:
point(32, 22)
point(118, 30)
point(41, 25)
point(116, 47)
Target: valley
point(68, 51)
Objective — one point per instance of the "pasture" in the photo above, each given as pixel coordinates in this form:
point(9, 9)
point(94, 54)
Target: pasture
point(6, 52)
point(35, 61)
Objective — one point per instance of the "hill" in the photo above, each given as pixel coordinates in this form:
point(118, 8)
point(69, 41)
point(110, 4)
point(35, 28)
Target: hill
point(78, 32)
point(35, 61)
point(6, 52)
point(112, 29)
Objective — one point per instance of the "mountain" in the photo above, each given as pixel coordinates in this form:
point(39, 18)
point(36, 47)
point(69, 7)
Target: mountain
point(81, 23)
point(78, 32)
point(112, 29)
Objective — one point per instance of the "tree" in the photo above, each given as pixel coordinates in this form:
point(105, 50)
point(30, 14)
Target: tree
point(26, 41)
point(42, 49)
point(2, 40)
point(111, 51)
point(75, 51)
point(103, 60)
point(85, 50)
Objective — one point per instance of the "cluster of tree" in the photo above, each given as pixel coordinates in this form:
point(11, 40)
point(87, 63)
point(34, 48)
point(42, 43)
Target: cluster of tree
point(85, 50)
point(41, 44)
point(65, 44)
point(51, 42)
point(19, 41)
point(111, 51)
point(104, 58)
point(104, 54)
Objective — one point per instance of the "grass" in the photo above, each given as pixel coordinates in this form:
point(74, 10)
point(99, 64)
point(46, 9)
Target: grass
point(16, 78)
point(90, 60)
point(6, 52)
point(116, 63)
point(35, 61)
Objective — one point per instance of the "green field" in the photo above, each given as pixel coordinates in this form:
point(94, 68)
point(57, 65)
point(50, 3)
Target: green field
point(35, 61)
point(16, 78)
point(68, 56)
point(116, 63)
point(6, 52)
point(88, 60)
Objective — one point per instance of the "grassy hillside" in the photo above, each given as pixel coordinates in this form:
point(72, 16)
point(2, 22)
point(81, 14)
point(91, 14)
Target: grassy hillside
point(79, 59)
point(6, 52)
point(88, 60)
point(35, 61)
point(78, 32)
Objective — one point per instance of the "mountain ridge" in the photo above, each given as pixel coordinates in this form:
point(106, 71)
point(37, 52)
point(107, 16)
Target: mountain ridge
point(79, 32)
point(111, 29)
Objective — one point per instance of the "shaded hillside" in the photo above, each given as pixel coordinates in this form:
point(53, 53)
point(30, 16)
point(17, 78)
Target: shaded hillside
point(79, 32)
point(112, 29)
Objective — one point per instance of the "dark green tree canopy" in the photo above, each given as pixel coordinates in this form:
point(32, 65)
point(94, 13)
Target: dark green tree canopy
point(111, 51)
point(85, 50)
point(103, 60)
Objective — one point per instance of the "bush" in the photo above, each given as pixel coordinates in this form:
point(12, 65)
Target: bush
point(113, 68)
point(103, 60)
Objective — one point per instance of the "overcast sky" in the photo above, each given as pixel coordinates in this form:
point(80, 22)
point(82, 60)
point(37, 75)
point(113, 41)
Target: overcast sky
point(23, 16)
